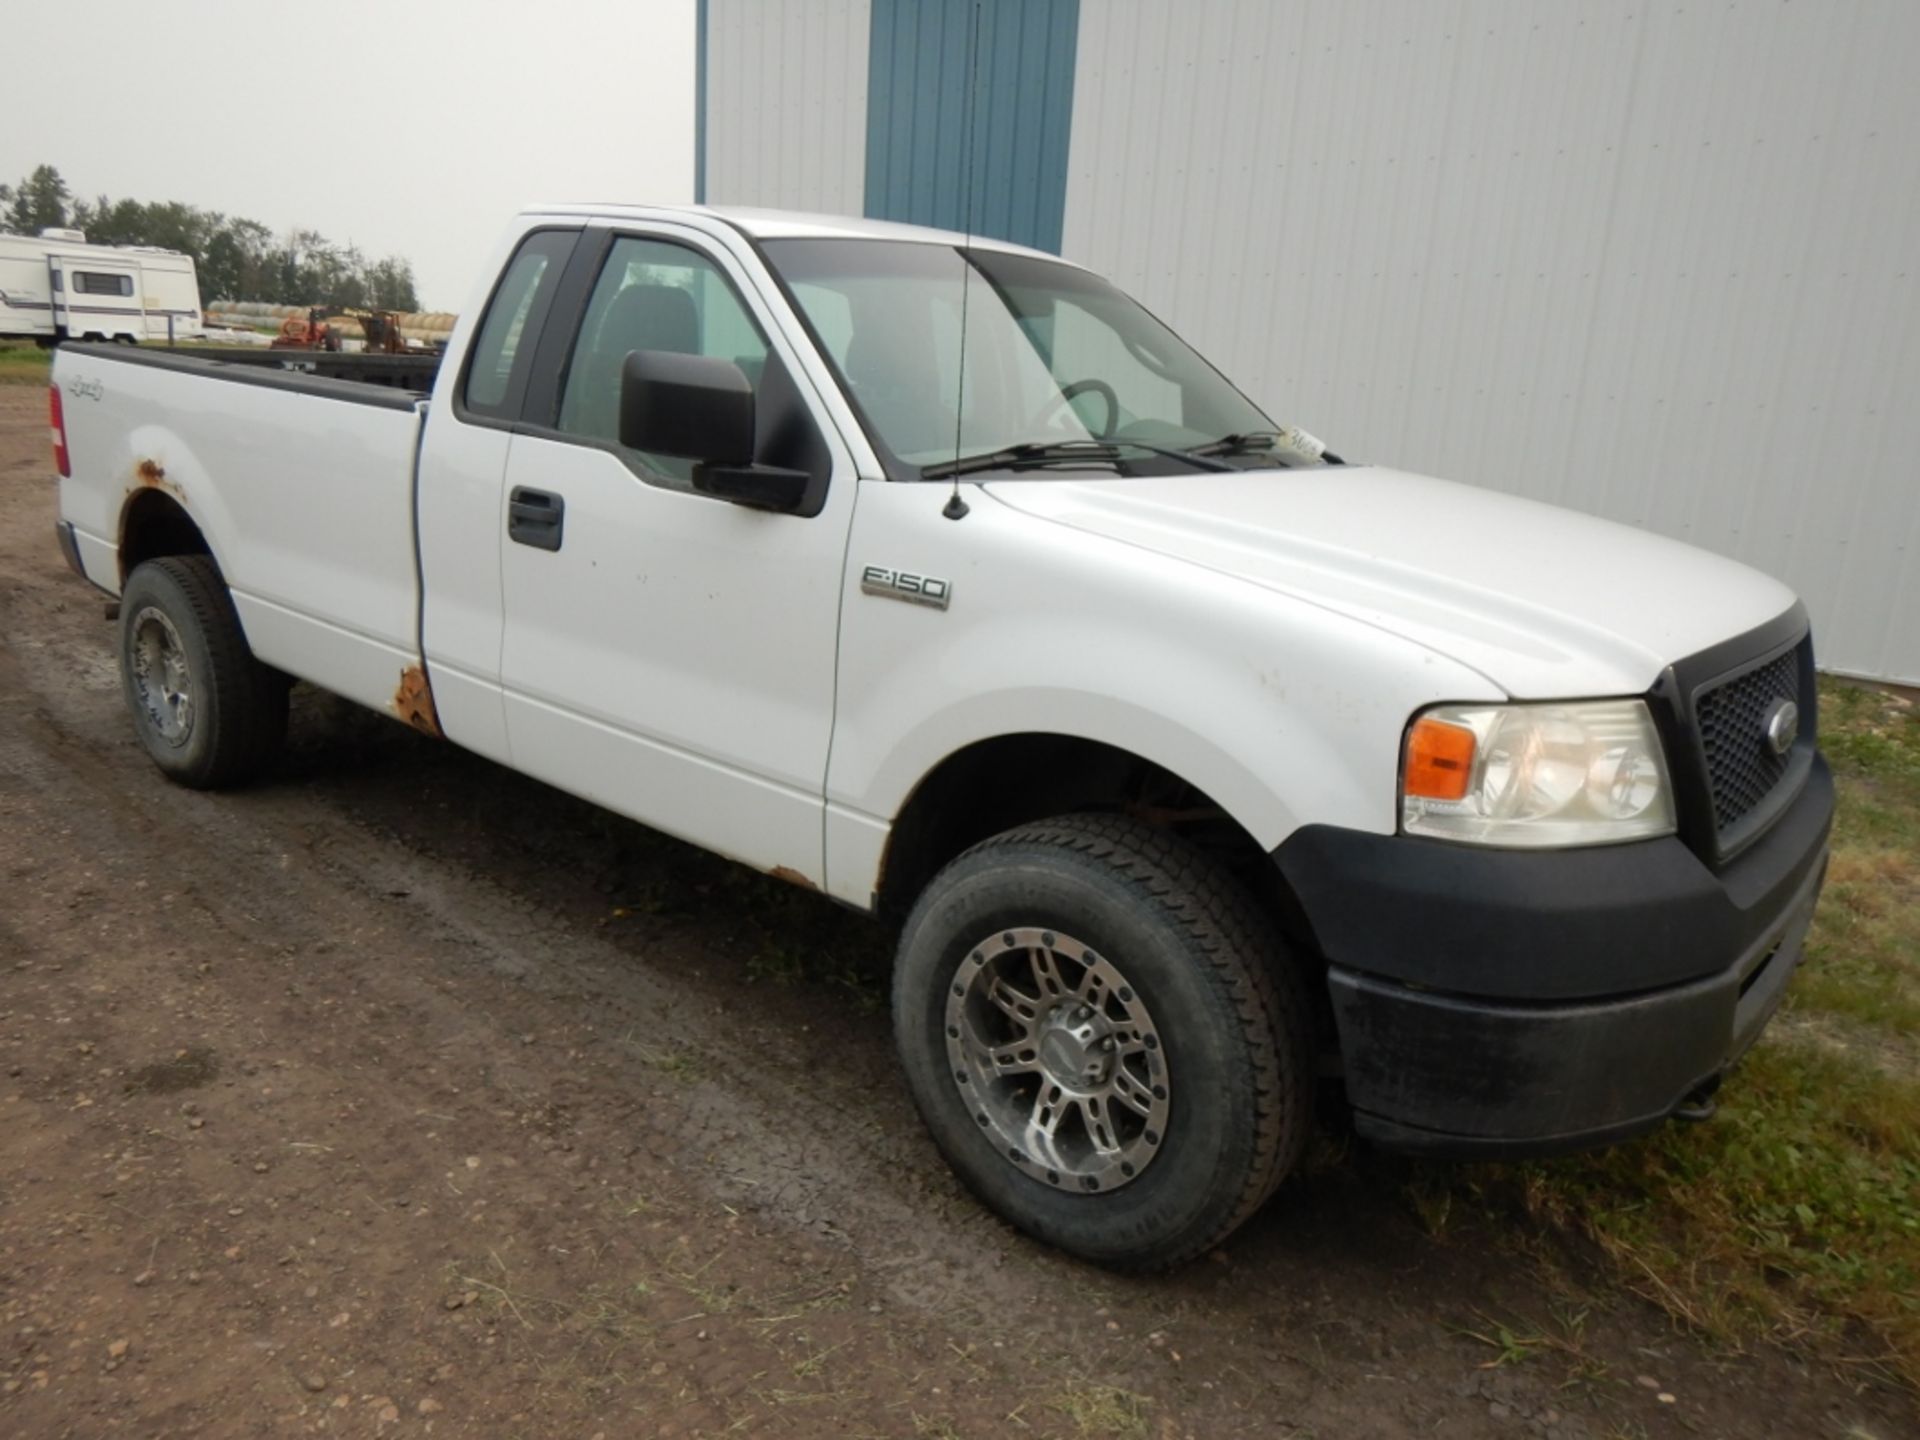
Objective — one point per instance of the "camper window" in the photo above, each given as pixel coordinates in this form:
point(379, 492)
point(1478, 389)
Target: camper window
point(92, 282)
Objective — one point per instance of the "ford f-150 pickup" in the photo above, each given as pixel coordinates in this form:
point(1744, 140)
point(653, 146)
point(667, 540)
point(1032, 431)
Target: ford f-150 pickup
point(1202, 772)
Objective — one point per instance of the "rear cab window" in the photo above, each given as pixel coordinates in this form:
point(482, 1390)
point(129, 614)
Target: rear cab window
point(502, 356)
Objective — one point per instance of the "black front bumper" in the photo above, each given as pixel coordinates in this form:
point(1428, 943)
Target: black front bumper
point(1497, 1002)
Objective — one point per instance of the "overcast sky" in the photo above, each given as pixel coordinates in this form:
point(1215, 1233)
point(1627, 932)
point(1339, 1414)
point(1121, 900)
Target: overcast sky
point(409, 127)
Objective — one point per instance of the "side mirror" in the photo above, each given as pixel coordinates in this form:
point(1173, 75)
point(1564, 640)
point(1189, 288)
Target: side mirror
point(701, 409)
point(686, 405)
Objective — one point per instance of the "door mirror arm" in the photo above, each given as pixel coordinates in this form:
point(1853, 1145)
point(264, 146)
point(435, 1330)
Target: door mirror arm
point(764, 487)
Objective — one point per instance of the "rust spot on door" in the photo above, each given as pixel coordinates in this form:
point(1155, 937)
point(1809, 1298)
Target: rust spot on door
point(792, 877)
point(413, 701)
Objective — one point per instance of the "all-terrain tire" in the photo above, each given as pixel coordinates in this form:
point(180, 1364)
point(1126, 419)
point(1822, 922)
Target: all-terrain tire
point(1226, 997)
point(234, 717)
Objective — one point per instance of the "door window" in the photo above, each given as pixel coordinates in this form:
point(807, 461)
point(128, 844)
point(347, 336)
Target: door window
point(654, 295)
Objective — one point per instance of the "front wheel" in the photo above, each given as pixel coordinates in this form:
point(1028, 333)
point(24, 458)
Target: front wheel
point(1106, 1038)
point(207, 712)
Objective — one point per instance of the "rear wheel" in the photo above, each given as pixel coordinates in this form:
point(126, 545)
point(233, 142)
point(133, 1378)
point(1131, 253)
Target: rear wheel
point(1106, 1038)
point(207, 712)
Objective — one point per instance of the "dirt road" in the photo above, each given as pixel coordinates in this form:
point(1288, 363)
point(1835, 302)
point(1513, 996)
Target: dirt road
point(403, 1096)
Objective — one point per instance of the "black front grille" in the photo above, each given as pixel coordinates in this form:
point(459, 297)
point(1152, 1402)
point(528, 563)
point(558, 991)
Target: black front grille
point(1742, 768)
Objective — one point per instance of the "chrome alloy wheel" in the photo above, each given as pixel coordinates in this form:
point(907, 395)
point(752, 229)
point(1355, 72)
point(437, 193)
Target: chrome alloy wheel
point(1058, 1059)
point(161, 679)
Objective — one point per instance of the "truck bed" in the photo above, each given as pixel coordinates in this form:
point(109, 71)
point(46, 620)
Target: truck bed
point(398, 381)
point(299, 480)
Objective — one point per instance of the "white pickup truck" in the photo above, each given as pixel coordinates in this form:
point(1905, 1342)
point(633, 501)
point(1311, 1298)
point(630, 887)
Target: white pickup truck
point(1201, 771)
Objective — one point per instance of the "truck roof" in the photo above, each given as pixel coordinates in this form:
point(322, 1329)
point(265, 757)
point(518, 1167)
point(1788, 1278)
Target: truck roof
point(793, 224)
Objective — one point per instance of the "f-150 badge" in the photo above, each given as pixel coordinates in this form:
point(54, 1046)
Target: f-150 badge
point(904, 585)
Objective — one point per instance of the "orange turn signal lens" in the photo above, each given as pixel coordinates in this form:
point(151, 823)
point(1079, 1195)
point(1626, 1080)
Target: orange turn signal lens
point(1439, 760)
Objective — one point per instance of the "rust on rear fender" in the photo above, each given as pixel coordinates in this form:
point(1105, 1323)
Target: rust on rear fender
point(792, 877)
point(150, 474)
point(413, 701)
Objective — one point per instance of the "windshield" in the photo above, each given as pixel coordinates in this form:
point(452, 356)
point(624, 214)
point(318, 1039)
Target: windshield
point(1054, 356)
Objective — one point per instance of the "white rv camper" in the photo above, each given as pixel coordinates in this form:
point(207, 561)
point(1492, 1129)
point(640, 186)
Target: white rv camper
point(55, 286)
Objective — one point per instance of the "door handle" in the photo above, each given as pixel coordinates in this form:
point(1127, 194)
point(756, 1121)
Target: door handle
point(535, 517)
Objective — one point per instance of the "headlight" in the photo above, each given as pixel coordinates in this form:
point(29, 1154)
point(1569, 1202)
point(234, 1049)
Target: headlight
point(1589, 772)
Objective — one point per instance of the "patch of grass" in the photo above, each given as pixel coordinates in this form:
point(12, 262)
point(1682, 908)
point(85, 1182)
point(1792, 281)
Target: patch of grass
point(605, 1303)
point(628, 1204)
point(1103, 1410)
point(675, 1064)
point(796, 940)
point(1794, 1214)
point(776, 963)
point(1512, 1342)
point(814, 1362)
point(24, 364)
point(1796, 1211)
point(786, 935)
point(1863, 959)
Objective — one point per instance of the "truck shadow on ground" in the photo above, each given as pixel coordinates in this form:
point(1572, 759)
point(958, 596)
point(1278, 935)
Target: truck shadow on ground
point(1347, 1249)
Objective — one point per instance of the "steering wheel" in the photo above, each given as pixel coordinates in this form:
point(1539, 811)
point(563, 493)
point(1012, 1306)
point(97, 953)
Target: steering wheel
point(1070, 393)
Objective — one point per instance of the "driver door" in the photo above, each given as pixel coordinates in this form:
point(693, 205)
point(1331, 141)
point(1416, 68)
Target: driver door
point(667, 653)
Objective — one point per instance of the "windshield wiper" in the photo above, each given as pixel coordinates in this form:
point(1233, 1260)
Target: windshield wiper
point(1060, 452)
point(1239, 444)
point(1252, 442)
point(1202, 458)
point(1029, 452)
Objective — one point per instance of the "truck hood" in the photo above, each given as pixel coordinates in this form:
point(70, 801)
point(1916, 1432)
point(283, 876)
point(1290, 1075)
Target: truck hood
point(1546, 603)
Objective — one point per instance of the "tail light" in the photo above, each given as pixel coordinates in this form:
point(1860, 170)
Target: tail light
point(57, 421)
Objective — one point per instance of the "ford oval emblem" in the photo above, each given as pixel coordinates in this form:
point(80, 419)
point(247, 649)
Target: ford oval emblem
point(1783, 726)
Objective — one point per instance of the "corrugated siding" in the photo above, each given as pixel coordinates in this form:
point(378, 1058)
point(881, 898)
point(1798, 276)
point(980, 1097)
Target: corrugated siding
point(919, 115)
point(1654, 261)
point(785, 122)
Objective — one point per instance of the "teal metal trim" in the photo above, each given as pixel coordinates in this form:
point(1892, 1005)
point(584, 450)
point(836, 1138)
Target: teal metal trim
point(1020, 115)
point(700, 103)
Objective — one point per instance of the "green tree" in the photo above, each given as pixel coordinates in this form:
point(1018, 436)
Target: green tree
point(390, 285)
point(235, 264)
point(237, 258)
point(38, 202)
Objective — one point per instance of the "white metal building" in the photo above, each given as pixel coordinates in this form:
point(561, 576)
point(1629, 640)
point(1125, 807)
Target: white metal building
point(1652, 260)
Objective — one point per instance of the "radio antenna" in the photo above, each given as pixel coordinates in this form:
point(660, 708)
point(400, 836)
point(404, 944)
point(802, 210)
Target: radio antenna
point(956, 508)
